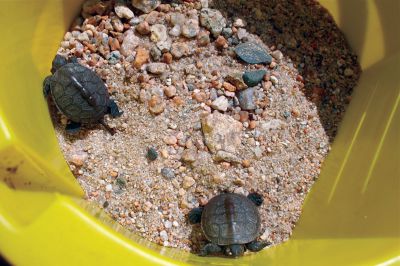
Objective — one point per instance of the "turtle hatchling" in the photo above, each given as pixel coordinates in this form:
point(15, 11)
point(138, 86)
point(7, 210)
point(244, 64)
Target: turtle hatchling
point(231, 223)
point(79, 94)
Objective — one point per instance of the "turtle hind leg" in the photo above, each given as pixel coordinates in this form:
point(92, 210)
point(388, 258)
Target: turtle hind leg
point(107, 127)
point(210, 249)
point(257, 245)
point(194, 215)
point(73, 127)
point(113, 109)
point(46, 86)
point(256, 198)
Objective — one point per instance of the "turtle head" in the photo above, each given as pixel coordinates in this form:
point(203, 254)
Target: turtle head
point(58, 62)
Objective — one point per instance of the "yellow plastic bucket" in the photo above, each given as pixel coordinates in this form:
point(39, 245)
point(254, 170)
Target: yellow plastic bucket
point(351, 216)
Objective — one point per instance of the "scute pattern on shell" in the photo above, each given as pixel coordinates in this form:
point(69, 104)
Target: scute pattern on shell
point(68, 97)
point(230, 219)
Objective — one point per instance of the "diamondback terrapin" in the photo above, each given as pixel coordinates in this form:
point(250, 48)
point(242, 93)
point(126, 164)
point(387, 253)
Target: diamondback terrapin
point(79, 94)
point(231, 223)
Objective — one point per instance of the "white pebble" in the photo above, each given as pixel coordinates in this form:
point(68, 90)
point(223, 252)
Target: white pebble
point(168, 224)
point(175, 223)
point(164, 235)
point(109, 187)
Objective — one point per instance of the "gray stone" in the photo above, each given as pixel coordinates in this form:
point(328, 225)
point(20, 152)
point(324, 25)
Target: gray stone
point(189, 156)
point(175, 31)
point(227, 32)
point(213, 20)
point(221, 104)
point(221, 132)
point(277, 55)
point(252, 53)
point(272, 124)
point(190, 28)
point(252, 78)
point(164, 46)
point(168, 173)
point(157, 68)
point(155, 53)
point(246, 99)
point(223, 156)
point(146, 5)
point(177, 19)
point(158, 33)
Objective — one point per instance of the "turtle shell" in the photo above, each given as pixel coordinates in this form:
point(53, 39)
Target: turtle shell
point(230, 219)
point(69, 99)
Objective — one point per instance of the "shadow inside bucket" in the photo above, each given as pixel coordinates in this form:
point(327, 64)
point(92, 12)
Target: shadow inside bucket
point(300, 31)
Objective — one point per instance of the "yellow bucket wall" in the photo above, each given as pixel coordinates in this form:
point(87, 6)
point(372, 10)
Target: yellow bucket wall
point(351, 216)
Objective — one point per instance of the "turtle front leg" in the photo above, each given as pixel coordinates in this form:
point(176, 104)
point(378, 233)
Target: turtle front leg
point(234, 250)
point(113, 109)
point(257, 245)
point(210, 249)
point(194, 215)
point(46, 86)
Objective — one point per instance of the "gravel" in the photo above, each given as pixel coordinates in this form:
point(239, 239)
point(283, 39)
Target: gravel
point(211, 134)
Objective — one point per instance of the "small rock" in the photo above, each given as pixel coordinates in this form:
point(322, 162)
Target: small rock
point(212, 20)
point(190, 28)
point(221, 132)
point(267, 85)
point(239, 23)
point(168, 224)
point(229, 87)
point(227, 32)
point(117, 24)
point(179, 49)
point(130, 42)
point(203, 39)
point(252, 78)
point(258, 152)
point(221, 104)
point(158, 33)
point(175, 223)
point(236, 78)
point(221, 42)
point(143, 28)
point(164, 46)
point(244, 116)
point(168, 173)
point(177, 19)
point(156, 105)
point(188, 182)
point(170, 140)
point(175, 31)
point(348, 72)
point(242, 34)
point(246, 163)
point(155, 53)
point(246, 99)
point(199, 97)
point(146, 5)
point(94, 7)
point(123, 11)
point(114, 44)
point(189, 155)
point(83, 37)
point(252, 53)
point(142, 57)
point(157, 68)
point(78, 159)
point(147, 206)
point(170, 91)
point(152, 154)
point(217, 179)
point(167, 58)
point(109, 187)
point(271, 124)
point(277, 55)
point(223, 156)
point(274, 80)
point(164, 235)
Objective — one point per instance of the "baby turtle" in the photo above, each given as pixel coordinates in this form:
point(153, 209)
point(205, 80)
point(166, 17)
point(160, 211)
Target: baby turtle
point(231, 223)
point(79, 94)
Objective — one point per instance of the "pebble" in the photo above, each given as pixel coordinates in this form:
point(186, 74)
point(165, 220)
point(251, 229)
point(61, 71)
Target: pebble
point(168, 224)
point(170, 91)
point(170, 140)
point(242, 34)
point(190, 28)
point(227, 32)
point(130, 42)
point(177, 19)
point(156, 105)
point(164, 235)
point(143, 28)
point(114, 44)
point(123, 11)
point(117, 24)
point(146, 5)
point(212, 20)
point(239, 23)
point(83, 37)
point(277, 55)
point(252, 78)
point(175, 31)
point(179, 49)
point(155, 53)
point(229, 87)
point(188, 182)
point(203, 39)
point(348, 72)
point(221, 104)
point(267, 85)
point(246, 99)
point(168, 173)
point(152, 154)
point(175, 223)
point(236, 78)
point(252, 53)
point(221, 42)
point(156, 68)
point(164, 46)
point(221, 132)
point(93, 7)
point(142, 57)
point(189, 155)
point(223, 156)
point(78, 159)
point(158, 33)
point(109, 187)
point(258, 152)
point(274, 80)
